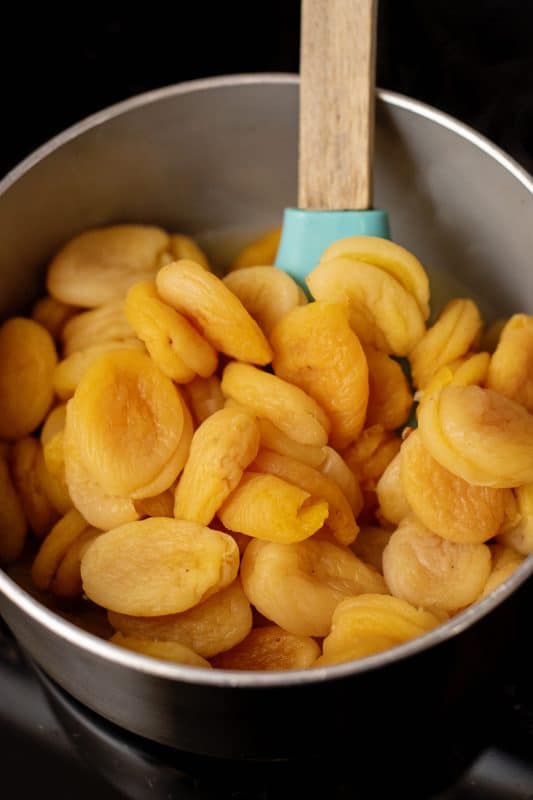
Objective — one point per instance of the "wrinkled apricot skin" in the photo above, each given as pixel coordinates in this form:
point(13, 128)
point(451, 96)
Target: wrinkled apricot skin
point(388, 256)
point(204, 397)
point(67, 579)
point(101, 264)
point(27, 360)
point(504, 562)
point(272, 438)
point(173, 343)
point(261, 251)
point(13, 526)
point(288, 407)
point(518, 534)
point(465, 371)
point(29, 476)
point(431, 572)
point(330, 367)
point(218, 313)
point(168, 651)
point(371, 623)
point(452, 335)
point(102, 510)
point(100, 325)
point(511, 366)
point(267, 293)
point(181, 246)
point(55, 546)
point(69, 372)
point(158, 566)
point(393, 505)
point(370, 544)
point(270, 648)
point(271, 509)
point(369, 456)
point(380, 311)
point(221, 449)
point(336, 468)
point(445, 503)
point(479, 435)
point(212, 627)
point(389, 397)
point(52, 314)
point(126, 421)
point(298, 586)
point(341, 520)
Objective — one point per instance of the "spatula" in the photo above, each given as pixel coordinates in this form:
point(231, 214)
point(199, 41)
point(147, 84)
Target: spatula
point(337, 74)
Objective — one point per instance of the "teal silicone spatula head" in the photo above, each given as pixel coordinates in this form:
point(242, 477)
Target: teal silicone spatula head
point(337, 74)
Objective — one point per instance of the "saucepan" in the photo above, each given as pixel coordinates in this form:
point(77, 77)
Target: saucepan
point(217, 158)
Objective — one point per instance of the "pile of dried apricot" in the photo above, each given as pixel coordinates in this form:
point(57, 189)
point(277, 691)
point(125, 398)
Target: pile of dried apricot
point(226, 469)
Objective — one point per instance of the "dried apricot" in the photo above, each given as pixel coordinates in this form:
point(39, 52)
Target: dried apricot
point(218, 313)
point(35, 485)
point(393, 505)
point(330, 367)
point(52, 314)
point(381, 312)
point(452, 335)
point(341, 520)
point(101, 264)
point(389, 398)
point(272, 438)
point(511, 367)
point(298, 586)
point(204, 397)
point(369, 456)
point(173, 343)
point(336, 468)
point(221, 449)
point(267, 293)
point(269, 508)
point(519, 533)
point(55, 546)
point(445, 503)
point(270, 648)
point(371, 623)
point(216, 625)
point(261, 251)
point(69, 372)
point(126, 420)
point(479, 435)
point(100, 325)
point(370, 544)
point(158, 566)
point(289, 408)
point(168, 651)
point(27, 360)
point(67, 578)
point(390, 257)
point(434, 573)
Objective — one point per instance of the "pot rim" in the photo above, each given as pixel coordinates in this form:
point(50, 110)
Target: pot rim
point(245, 679)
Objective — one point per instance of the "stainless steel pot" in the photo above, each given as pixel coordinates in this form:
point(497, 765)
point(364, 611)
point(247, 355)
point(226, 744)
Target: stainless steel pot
point(220, 154)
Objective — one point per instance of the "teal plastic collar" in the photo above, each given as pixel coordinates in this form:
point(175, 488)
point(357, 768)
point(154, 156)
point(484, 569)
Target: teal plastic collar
point(306, 234)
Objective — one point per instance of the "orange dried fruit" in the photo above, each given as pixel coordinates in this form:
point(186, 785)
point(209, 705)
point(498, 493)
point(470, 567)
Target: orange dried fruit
point(214, 310)
point(331, 367)
point(158, 566)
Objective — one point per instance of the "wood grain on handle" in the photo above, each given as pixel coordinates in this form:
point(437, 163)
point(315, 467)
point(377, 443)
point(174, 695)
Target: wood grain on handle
point(337, 69)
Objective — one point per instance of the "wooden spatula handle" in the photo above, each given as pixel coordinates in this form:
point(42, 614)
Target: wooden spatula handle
point(337, 69)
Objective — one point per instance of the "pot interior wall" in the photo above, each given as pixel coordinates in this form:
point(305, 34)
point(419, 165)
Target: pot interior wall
point(220, 162)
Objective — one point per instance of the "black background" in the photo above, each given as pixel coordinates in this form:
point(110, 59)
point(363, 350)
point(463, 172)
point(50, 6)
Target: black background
point(472, 58)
